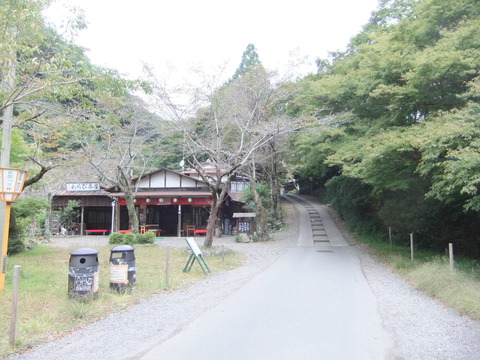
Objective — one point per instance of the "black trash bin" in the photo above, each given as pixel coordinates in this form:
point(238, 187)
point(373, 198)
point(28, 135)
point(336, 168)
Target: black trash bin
point(123, 270)
point(83, 274)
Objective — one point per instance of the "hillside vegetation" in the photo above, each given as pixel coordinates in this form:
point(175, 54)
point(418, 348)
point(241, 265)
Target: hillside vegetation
point(393, 135)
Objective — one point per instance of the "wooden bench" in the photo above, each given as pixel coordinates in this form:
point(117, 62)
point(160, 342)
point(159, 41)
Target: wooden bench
point(124, 231)
point(97, 231)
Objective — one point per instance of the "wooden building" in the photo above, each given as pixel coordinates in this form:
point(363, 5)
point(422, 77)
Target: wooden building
point(167, 202)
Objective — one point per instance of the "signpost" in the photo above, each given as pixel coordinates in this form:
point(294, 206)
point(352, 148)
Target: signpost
point(11, 186)
point(196, 255)
point(84, 186)
point(245, 222)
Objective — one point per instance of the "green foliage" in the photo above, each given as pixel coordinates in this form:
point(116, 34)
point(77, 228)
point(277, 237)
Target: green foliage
point(250, 60)
point(397, 117)
point(352, 199)
point(116, 238)
point(146, 238)
point(264, 191)
point(20, 150)
point(29, 215)
point(131, 238)
point(15, 245)
point(70, 214)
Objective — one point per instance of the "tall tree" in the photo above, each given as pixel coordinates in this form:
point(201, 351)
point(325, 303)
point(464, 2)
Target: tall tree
point(396, 113)
point(240, 119)
point(250, 60)
point(121, 147)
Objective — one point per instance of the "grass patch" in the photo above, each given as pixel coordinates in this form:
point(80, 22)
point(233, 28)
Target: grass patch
point(458, 289)
point(430, 272)
point(46, 312)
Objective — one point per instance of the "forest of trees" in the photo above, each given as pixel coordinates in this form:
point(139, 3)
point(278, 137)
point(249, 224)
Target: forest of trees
point(386, 132)
point(393, 138)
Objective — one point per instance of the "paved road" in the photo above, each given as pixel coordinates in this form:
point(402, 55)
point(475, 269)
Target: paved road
point(313, 303)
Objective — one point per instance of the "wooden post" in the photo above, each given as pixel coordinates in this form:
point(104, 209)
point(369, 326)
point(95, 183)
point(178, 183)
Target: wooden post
point(411, 247)
point(390, 236)
point(167, 270)
point(450, 255)
point(179, 221)
point(13, 319)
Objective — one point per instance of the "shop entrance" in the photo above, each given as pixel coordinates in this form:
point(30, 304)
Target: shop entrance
point(165, 217)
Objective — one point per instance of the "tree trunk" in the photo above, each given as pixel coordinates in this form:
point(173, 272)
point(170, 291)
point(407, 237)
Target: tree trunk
point(216, 204)
point(132, 213)
point(125, 185)
point(47, 232)
point(212, 219)
point(261, 216)
point(275, 185)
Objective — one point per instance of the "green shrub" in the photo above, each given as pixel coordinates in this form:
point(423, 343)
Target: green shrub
point(116, 238)
point(15, 245)
point(147, 238)
point(129, 238)
point(150, 237)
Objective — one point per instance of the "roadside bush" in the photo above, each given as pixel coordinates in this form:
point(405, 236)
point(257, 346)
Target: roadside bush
point(128, 238)
point(15, 245)
point(115, 238)
point(131, 238)
point(352, 200)
point(147, 238)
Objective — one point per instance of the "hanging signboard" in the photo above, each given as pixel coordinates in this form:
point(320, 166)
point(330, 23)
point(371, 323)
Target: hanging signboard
point(245, 222)
point(85, 186)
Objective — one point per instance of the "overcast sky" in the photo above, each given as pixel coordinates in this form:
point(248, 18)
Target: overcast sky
point(124, 34)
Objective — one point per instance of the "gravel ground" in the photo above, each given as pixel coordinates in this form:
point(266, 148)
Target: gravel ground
point(423, 328)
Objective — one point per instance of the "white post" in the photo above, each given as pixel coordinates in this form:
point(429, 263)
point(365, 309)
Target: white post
point(82, 220)
point(411, 246)
point(450, 255)
point(167, 269)
point(13, 319)
point(113, 216)
point(179, 226)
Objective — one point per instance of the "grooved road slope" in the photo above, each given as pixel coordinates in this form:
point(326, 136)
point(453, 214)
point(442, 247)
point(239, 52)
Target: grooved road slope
point(313, 303)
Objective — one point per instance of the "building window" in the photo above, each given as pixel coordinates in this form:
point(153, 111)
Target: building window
point(238, 186)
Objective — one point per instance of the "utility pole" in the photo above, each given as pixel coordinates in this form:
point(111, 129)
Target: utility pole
point(5, 162)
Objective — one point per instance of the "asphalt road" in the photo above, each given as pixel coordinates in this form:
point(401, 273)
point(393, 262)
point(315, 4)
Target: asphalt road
point(313, 303)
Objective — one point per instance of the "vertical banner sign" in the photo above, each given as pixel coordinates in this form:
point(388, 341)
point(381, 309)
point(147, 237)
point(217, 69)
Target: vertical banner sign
point(11, 183)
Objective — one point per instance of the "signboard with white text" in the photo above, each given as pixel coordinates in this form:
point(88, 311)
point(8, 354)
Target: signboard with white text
point(86, 186)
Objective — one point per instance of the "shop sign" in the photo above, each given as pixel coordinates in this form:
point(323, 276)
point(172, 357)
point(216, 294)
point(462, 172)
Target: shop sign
point(84, 186)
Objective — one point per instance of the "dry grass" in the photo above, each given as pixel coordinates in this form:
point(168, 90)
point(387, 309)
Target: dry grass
point(458, 289)
point(45, 310)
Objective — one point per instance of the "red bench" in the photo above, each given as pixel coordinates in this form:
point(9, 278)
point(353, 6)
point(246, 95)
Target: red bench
point(97, 231)
point(124, 231)
point(200, 231)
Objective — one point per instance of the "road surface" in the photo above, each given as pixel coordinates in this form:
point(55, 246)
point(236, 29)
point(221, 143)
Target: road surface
point(312, 303)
